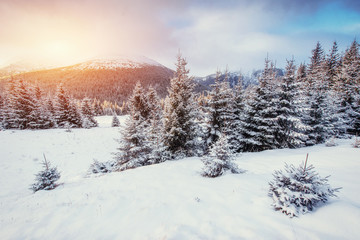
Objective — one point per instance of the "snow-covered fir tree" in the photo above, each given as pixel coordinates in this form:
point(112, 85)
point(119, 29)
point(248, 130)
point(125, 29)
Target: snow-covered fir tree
point(66, 110)
point(332, 65)
point(135, 149)
point(2, 111)
point(98, 111)
point(349, 89)
point(115, 120)
point(219, 159)
point(9, 119)
point(315, 70)
point(41, 117)
point(301, 77)
point(317, 114)
point(46, 179)
point(88, 114)
point(22, 105)
point(260, 121)
point(75, 117)
point(238, 109)
point(159, 152)
point(219, 110)
point(298, 190)
point(291, 129)
point(180, 127)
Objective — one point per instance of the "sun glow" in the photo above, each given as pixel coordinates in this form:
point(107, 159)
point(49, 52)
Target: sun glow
point(56, 49)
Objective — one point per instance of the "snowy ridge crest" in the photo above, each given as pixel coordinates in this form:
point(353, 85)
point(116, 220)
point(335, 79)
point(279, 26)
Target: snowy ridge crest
point(115, 62)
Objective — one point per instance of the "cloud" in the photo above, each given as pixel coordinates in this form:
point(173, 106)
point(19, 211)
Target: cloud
point(210, 33)
point(90, 27)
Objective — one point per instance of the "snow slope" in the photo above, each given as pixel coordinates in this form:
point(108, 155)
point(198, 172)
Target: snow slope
point(165, 201)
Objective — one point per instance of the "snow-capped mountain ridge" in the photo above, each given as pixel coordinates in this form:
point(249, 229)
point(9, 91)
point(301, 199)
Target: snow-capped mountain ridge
point(115, 62)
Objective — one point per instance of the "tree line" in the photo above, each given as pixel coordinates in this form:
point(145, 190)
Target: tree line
point(24, 106)
point(308, 105)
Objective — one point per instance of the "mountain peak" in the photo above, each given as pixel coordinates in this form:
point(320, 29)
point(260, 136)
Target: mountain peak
point(118, 61)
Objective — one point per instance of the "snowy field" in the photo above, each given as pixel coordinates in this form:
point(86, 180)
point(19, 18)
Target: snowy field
point(165, 201)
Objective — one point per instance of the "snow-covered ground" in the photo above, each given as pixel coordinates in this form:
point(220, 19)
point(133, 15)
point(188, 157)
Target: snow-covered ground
point(165, 201)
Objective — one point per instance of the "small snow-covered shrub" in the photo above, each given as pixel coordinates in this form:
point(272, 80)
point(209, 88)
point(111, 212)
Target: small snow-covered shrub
point(101, 167)
point(45, 179)
point(115, 121)
point(219, 159)
point(356, 143)
point(68, 127)
point(87, 123)
point(299, 189)
point(331, 142)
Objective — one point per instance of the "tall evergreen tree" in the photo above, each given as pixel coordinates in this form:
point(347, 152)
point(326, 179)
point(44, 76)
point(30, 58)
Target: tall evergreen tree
point(2, 111)
point(134, 150)
point(22, 105)
point(220, 110)
point(332, 65)
point(291, 129)
point(155, 131)
point(66, 110)
point(180, 113)
point(238, 106)
point(88, 114)
point(316, 67)
point(260, 124)
point(115, 120)
point(349, 90)
point(317, 115)
point(40, 117)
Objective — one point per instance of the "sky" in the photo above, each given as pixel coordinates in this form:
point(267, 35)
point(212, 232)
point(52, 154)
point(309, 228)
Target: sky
point(211, 35)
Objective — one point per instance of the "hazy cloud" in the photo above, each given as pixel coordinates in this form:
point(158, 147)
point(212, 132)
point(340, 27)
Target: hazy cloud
point(210, 33)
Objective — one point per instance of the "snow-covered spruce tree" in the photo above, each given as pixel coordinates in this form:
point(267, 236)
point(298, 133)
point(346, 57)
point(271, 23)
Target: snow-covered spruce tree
point(66, 110)
point(46, 179)
point(9, 114)
point(299, 190)
point(219, 110)
point(101, 167)
point(87, 113)
point(180, 127)
point(40, 117)
point(301, 78)
point(155, 138)
point(260, 121)
point(356, 143)
point(238, 108)
point(317, 116)
point(134, 147)
point(22, 104)
point(2, 111)
point(115, 120)
point(349, 89)
point(75, 117)
point(291, 129)
point(219, 159)
point(98, 111)
point(332, 65)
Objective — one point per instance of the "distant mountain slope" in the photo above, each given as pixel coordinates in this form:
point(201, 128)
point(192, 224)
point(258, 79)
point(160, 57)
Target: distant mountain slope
point(20, 67)
point(111, 79)
point(204, 83)
point(115, 62)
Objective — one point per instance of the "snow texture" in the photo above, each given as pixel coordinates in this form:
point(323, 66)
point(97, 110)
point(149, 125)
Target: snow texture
point(170, 200)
